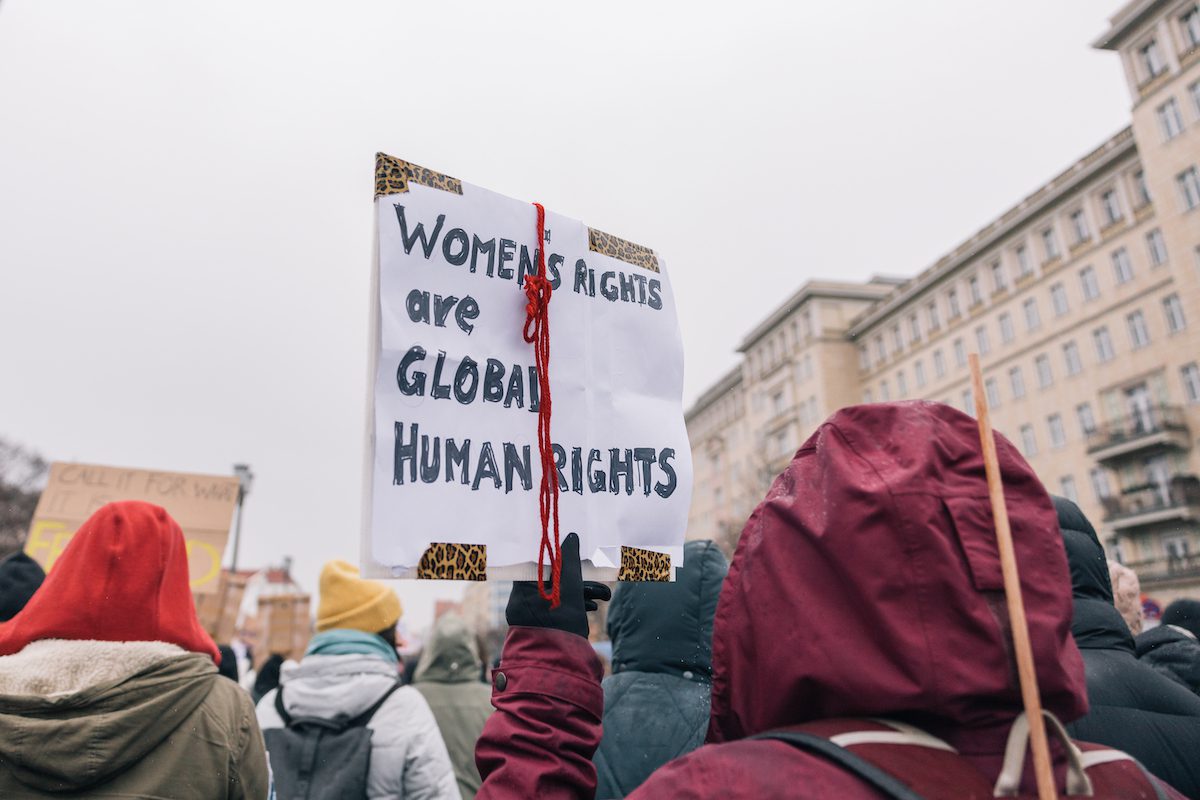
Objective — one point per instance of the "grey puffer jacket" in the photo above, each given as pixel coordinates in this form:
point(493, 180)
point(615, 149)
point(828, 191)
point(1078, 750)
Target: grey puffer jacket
point(657, 701)
point(408, 757)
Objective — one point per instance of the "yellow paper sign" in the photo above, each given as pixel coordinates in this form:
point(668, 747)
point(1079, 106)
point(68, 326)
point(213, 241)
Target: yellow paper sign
point(203, 506)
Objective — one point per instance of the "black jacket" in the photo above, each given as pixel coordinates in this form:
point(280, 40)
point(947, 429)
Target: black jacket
point(656, 702)
point(1133, 707)
point(1172, 651)
point(20, 577)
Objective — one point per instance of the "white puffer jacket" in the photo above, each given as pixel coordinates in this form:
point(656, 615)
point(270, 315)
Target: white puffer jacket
point(408, 757)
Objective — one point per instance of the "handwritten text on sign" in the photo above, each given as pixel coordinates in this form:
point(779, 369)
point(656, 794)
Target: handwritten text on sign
point(456, 392)
point(202, 505)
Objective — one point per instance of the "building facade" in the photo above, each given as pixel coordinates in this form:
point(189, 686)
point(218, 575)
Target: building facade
point(1083, 302)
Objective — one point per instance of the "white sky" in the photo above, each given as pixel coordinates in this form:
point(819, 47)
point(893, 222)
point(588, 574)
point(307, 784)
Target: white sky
point(186, 188)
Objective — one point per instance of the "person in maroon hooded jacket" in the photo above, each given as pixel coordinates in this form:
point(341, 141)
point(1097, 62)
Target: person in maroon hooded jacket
point(865, 609)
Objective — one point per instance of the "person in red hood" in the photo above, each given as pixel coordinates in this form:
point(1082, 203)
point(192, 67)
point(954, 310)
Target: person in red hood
point(108, 684)
point(866, 586)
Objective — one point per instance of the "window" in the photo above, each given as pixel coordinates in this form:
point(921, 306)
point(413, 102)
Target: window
point(1157, 247)
point(919, 373)
point(880, 354)
point(1045, 374)
point(968, 402)
point(939, 364)
point(1189, 26)
point(1189, 188)
point(999, 281)
point(1111, 205)
point(864, 357)
point(1122, 266)
point(1194, 91)
point(885, 393)
point(952, 301)
point(901, 384)
point(1058, 434)
point(1151, 60)
point(1191, 382)
point(1017, 382)
point(1139, 334)
point(1091, 286)
point(1007, 334)
point(932, 312)
point(1140, 186)
point(974, 290)
point(1087, 420)
point(777, 405)
point(1066, 487)
point(781, 443)
point(1058, 299)
point(992, 389)
point(1104, 347)
point(897, 342)
point(1024, 267)
point(867, 396)
point(1028, 441)
point(1176, 548)
point(1079, 226)
point(981, 341)
point(1033, 320)
point(960, 353)
point(1174, 311)
point(1050, 244)
point(914, 328)
point(1071, 356)
point(1100, 483)
point(1169, 121)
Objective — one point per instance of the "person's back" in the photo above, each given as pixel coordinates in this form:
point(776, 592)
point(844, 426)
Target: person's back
point(656, 702)
point(866, 586)
point(1133, 707)
point(447, 675)
point(346, 670)
point(108, 684)
point(1173, 648)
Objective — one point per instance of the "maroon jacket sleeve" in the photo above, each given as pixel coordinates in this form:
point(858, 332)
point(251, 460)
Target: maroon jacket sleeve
point(546, 728)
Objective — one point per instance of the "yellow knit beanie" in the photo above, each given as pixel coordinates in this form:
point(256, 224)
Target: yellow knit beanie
point(348, 601)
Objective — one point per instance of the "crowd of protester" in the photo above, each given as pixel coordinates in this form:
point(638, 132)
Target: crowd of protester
point(858, 645)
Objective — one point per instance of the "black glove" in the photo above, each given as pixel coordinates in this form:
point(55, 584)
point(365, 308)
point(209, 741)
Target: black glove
point(527, 608)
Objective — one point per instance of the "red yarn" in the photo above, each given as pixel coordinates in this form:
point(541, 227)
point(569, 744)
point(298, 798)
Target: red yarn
point(537, 333)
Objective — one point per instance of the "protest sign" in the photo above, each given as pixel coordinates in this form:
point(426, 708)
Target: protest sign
point(202, 505)
point(218, 611)
point(452, 464)
point(286, 624)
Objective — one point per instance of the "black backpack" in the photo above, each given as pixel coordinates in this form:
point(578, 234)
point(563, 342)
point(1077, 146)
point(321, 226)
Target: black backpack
point(321, 759)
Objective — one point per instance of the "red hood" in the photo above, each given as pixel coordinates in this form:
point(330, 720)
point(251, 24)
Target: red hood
point(122, 578)
point(868, 583)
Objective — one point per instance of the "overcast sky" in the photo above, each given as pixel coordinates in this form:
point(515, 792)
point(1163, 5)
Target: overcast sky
point(186, 189)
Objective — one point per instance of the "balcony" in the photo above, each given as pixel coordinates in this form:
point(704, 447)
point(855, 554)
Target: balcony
point(1163, 570)
point(1152, 503)
point(1160, 427)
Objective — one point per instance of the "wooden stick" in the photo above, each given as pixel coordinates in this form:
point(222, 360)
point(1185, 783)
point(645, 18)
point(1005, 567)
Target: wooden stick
point(1012, 594)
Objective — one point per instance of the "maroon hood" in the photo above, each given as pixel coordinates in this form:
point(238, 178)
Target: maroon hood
point(868, 583)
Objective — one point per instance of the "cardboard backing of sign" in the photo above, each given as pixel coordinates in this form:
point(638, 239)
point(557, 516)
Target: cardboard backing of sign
point(218, 611)
point(286, 625)
point(203, 505)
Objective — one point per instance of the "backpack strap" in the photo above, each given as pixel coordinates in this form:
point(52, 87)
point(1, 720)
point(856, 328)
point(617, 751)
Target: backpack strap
point(838, 755)
point(338, 723)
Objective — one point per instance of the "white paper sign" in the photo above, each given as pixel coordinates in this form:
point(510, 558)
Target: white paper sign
point(453, 453)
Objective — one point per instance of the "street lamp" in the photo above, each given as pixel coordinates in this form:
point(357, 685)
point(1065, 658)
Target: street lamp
point(245, 480)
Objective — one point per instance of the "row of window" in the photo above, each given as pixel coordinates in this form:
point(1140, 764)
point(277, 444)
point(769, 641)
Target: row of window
point(1122, 267)
point(1136, 326)
point(1150, 62)
point(774, 351)
point(1170, 118)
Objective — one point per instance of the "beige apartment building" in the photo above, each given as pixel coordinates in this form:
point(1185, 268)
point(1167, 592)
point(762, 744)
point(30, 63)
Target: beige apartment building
point(1083, 301)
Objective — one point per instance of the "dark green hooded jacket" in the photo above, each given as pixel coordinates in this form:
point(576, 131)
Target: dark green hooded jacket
point(656, 702)
point(448, 675)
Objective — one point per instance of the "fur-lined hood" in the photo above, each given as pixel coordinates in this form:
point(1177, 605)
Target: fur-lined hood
point(75, 713)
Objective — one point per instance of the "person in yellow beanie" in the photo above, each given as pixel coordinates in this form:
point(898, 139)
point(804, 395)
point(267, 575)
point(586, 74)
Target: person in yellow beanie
point(351, 666)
